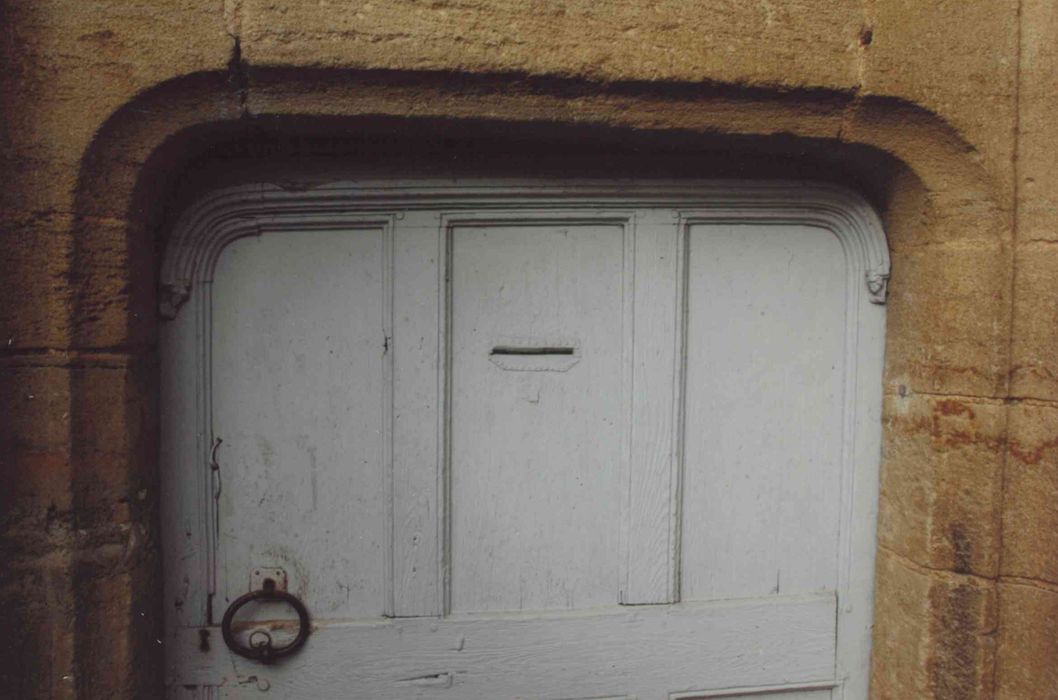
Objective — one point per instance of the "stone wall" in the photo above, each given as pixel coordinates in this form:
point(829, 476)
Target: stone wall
point(942, 111)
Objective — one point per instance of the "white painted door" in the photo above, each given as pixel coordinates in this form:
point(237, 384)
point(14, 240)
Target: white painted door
point(523, 442)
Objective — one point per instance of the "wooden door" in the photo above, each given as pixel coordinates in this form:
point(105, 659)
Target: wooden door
point(534, 442)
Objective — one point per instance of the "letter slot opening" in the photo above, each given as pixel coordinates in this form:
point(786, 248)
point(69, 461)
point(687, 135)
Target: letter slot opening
point(545, 350)
point(534, 354)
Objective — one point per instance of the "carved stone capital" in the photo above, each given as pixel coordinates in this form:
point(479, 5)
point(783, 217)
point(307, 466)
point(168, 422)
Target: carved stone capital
point(171, 297)
point(877, 285)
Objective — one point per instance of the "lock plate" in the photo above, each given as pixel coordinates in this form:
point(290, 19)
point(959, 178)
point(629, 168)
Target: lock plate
point(259, 574)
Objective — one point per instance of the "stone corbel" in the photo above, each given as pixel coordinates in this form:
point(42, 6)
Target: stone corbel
point(877, 285)
point(171, 296)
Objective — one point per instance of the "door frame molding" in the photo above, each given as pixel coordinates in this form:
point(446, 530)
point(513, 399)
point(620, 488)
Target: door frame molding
point(209, 225)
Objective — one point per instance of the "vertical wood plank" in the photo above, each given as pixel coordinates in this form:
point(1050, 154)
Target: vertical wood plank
point(863, 439)
point(536, 440)
point(417, 358)
point(387, 415)
point(650, 554)
point(766, 354)
point(186, 529)
point(298, 396)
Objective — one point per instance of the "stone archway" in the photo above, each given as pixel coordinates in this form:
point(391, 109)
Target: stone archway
point(945, 377)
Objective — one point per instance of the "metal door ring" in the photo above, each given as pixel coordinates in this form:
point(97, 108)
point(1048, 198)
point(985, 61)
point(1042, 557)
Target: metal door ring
point(261, 648)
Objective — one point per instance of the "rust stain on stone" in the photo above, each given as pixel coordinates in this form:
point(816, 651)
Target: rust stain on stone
point(1031, 455)
point(953, 407)
point(950, 424)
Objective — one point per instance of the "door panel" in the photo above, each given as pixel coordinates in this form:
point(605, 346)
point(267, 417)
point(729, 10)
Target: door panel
point(418, 416)
point(765, 373)
point(537, 347)
point(297, 399)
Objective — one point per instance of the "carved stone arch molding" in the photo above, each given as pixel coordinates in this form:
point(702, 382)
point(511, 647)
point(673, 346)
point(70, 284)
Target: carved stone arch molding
point(218, 219)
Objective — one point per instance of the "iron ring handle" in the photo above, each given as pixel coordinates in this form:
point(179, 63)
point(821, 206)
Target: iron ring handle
point(264, 651)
